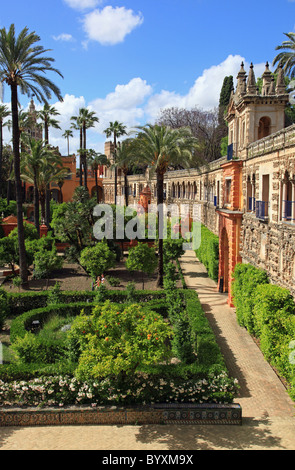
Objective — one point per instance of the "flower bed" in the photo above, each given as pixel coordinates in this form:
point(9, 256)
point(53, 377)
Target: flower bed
point(203, 380)
point(141, 389)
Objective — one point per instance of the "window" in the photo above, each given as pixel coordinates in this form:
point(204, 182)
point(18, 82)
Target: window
point(227, 191)
point(287, 199)
point(264, 127)
point(262, 207)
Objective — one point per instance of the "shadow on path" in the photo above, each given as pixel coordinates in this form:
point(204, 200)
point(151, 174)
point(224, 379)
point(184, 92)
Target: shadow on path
point(253, 434)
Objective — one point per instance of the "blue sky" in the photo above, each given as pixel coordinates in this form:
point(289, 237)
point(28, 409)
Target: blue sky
point(128, 59)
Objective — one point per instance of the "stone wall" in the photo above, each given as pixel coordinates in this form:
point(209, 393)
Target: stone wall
point(271, 247)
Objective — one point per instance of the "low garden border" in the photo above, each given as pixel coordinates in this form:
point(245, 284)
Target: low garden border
point(185, 414)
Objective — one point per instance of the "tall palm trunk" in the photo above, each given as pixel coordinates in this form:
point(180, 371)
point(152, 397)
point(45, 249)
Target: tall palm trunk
point(160, 201)
point(116, 169)
point(84, 158)
point(81, 157)
point(36, 205)
point(1, 158)
point(48, 192)
point(18, 185)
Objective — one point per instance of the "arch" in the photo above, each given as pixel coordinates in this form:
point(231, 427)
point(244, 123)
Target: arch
point(264, 127)
point(95, 190)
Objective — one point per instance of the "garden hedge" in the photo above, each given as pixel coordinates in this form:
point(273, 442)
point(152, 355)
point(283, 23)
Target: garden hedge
point(208, 252)
point(267, 311)
point(208, 361)
point(19, 303)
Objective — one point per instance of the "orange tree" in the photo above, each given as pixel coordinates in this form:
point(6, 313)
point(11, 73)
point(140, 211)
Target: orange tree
point(116, 341)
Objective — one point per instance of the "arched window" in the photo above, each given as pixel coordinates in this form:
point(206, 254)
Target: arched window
point(264, 127)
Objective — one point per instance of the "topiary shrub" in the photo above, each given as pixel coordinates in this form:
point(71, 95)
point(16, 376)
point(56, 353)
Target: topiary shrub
point(97, 259)
point(245, 280)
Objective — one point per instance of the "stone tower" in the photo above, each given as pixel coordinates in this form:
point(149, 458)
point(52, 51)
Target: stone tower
point(252, 114)
point(34, 129)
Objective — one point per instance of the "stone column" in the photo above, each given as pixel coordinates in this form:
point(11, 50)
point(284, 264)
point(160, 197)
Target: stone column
point(284, 204)
point(253, 195)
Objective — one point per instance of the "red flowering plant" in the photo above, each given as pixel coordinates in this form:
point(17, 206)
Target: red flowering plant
point(119, 341)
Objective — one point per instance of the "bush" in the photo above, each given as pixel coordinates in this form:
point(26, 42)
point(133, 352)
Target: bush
point(113, 281)
point(274, 313)
point(208, 252)
point(173, 249)
point(54, 296)
point(32, 349)
point(245, 280)
point(98, 259)
point(115, 341)
point(45, 262)
point(4, 309)
point(142, 258)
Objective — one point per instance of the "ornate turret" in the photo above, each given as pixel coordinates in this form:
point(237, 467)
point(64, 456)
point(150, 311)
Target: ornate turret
point(241, 82)
point(266, 80)
point(280, 86)
point(272, 88)
point(251, 83)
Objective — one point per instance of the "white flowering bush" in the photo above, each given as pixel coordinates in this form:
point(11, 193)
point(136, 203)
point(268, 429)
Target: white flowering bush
point(65, 391)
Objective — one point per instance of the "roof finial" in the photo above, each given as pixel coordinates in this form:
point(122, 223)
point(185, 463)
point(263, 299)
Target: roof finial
point(280, 86)
point(251, 84)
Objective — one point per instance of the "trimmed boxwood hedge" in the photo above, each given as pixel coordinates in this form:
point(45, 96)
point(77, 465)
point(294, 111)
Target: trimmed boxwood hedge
point(202, 337)
point(208, 252)
point(267, 311)
point(19, 303)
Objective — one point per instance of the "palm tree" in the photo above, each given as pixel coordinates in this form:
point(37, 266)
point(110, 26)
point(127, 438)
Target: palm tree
point(160, 147)
point(97, 160)
point(85, 120)
point(67, 134)
point(286, 59)
point(4, 113)
point(41, 167)
point(117, 129)
point(31, 165)
point(23, 65)
point(77, 125)
point(48, 121)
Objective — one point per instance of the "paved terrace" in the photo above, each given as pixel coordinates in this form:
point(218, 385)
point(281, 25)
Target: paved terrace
point(268, 424)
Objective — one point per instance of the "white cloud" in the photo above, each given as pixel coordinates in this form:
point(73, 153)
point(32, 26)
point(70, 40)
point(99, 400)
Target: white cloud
point(124, 104)
point(64, 37)
point(111, 25)
point(205, 92)
point(83, 4)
